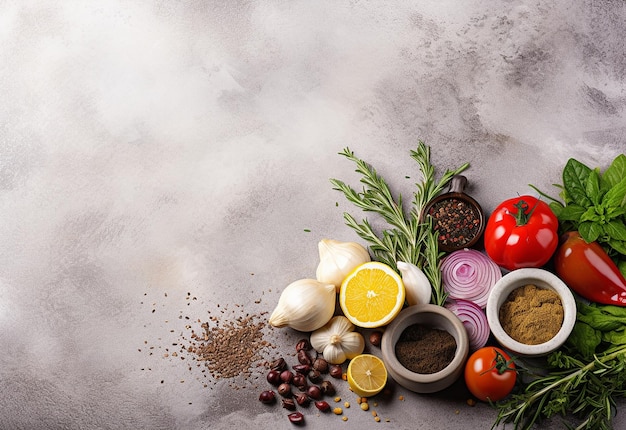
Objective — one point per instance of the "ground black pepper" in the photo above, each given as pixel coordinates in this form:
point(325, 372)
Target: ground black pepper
point(456, 221)
point(423, 349)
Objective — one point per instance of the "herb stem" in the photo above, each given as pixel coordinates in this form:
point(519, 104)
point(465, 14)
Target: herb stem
point(409, 238)
point(535, 402)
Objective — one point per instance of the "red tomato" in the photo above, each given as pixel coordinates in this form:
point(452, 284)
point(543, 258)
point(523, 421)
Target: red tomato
point(521, 232)
point(490, 374)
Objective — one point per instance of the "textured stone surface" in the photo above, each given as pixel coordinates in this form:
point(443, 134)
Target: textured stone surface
point(162, 163)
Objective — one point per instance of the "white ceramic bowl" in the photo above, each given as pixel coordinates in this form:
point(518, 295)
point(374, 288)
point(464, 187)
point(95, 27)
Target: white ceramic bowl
point(436, 317)
point(542, 279)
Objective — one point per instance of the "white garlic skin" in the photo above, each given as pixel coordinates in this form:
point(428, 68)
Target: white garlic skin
point(337, 340)
point(338, 259)
point(304, 305)
point(416, 284)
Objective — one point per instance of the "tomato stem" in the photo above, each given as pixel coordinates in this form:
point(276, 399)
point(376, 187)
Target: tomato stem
point(521, 217)
point(500, 364)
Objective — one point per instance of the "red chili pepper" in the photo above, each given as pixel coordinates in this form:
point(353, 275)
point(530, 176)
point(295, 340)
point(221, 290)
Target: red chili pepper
point(588, 270)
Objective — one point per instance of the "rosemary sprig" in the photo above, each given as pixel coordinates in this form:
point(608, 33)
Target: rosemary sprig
point(586, 390)
point(408, 238)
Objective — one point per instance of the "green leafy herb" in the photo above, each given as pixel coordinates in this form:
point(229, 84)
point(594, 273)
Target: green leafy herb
point(408, 238)
point(586, 389)
point(594, 204)
point(585, 377)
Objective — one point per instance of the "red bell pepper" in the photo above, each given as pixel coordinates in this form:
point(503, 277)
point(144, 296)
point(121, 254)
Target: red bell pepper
point(589, 271)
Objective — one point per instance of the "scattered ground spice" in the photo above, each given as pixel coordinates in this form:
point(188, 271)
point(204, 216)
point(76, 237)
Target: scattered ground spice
point(424, 349)
point(229, 348)
point(456, 221)
point(532, 315)
point(229, 344)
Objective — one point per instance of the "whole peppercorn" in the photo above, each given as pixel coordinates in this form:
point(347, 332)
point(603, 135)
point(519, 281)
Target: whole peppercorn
point(284, 390)
point(279, 364)
point(303, 400)
point(376, 337)
point(322, 405)
point(289, 404)
point(303, 345)
point(273, 377)
point(335, 371)
point(267, 397)
point(314, 392)
point(328, 389)
point(321, 365)
point(296, 418)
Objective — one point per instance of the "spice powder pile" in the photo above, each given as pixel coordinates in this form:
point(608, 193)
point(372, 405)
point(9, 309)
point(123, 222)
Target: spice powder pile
point(532, 315)
point(426, 350)
point(229, 348)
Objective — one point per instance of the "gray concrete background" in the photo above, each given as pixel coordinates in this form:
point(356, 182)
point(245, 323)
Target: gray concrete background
point(161, 162)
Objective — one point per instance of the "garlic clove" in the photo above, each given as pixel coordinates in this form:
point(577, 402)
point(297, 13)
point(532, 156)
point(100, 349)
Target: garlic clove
point(304, 305)
point(334, 355)
point(337, 340)
point(353, 344)
point(338, 259)
point(417, 285)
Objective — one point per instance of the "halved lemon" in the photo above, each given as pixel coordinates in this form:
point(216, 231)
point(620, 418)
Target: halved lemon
point(367, 375)
point(372, 295)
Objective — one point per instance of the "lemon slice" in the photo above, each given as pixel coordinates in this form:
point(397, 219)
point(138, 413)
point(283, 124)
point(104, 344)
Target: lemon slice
point(371, 295)
point(367, 375)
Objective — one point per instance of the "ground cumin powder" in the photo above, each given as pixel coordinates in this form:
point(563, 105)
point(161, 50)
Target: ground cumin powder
point(531, 315)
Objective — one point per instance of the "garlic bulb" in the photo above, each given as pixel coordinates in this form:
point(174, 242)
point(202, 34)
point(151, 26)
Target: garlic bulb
point(304, 305)
point(416, 284)
point(337, 340)
point(338, 259)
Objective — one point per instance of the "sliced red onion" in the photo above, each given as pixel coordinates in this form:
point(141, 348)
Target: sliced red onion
point(469, 274)
point(474, 319)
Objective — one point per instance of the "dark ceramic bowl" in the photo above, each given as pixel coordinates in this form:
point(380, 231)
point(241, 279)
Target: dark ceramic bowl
point(446, 207)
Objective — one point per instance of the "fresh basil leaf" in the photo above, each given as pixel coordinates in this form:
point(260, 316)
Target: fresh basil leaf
point(597, 319)
point(616, 196)
point(571, 212)
point(613, 213)
point(618, 245)
point(590, 214)
point(615, 230)
point(613, 310)
point(615, 337)
point(616, 171)
point(584, 339)
point(557, 208)
point(575, 175)
point(622, 266)
point(590, 231)
point(592, 186)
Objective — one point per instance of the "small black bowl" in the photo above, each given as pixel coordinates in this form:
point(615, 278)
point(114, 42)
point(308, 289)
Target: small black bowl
point(458, 219)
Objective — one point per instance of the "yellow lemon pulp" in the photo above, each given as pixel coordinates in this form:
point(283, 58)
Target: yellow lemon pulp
point(367, 375)
point(372, 295)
